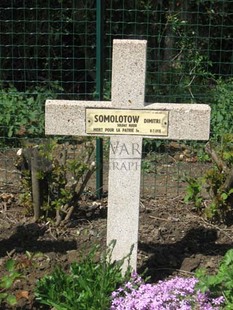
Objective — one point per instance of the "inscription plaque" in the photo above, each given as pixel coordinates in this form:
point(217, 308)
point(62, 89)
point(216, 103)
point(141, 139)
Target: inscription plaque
point(126, 122)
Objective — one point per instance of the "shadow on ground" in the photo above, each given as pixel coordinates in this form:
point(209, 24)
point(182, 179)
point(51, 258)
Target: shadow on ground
point(198, 246)
point(27, 238)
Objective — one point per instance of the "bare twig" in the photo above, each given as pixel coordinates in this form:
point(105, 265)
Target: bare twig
point(220, 164)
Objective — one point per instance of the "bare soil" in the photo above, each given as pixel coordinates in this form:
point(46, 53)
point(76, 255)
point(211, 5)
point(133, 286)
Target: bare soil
point(173, 238)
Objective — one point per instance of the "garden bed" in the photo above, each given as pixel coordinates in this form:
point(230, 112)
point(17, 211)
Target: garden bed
point(172, 240)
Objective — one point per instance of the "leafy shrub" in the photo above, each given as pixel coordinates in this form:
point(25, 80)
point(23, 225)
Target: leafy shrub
point(87, 286)
point(193, 192)
point(92, 284)
point(221, 283)
point(59, 179)
point(217, 182)
point(221, 108)
point(7, 281)
point(22, 113)
point(68, 178)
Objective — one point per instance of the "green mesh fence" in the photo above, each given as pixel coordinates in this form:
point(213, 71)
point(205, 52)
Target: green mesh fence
point(190, 44)
point(48, 50)
point(48, 43)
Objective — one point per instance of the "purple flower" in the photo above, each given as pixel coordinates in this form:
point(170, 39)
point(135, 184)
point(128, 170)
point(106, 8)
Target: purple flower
point(172, 294)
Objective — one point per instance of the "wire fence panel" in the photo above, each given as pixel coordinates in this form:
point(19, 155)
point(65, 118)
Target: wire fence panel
point(189, 57)
point(189, 44)
point(48, 50)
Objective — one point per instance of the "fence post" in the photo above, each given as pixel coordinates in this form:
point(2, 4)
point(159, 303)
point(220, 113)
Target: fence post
point(99, 90)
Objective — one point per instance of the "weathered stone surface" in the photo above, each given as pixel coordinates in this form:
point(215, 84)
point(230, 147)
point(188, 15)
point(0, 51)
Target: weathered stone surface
point(185, 121)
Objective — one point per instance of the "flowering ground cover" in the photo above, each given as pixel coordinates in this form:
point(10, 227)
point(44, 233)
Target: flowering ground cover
point(177, 293)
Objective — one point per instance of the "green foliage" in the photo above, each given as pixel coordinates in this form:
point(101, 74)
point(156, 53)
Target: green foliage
point(25, 197)
point(147, 166)
point(221, 109)
point(62, 176)
point(216, 182)
point(7, 281)
point(217, 208)
point(184, 38)
point(150, 145)
point(226, 149)
point(22, 113)
point(183, 45)
point(185, 74)
point(193, 192)
point(106, 91)
point(87, 286)
point(202, 156)
point(220, 283)
point(66, 178)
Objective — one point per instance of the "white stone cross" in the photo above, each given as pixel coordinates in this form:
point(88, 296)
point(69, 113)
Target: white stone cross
point(126, 120)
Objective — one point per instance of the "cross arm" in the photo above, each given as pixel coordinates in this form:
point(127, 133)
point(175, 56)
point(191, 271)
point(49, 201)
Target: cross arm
point(185, 121)
point(67, 117)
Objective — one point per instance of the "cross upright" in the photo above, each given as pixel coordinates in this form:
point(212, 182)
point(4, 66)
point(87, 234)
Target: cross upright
point(127, 121)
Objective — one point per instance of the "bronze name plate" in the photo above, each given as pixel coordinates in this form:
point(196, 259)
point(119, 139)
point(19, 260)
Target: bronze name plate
point(126, 122)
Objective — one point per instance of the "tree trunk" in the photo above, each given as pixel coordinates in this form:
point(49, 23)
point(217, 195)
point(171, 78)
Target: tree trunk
point(36, 189)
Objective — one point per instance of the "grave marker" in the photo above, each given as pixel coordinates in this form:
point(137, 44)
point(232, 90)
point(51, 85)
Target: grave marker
point(126, 120)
